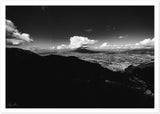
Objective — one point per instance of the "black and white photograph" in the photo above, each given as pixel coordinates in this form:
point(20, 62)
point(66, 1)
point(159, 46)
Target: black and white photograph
point(80, 56)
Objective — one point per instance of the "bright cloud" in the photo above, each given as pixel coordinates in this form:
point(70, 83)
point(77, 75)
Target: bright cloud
point(146, 43)
point(53, 47)
point(14, 42)
point(103, 45)
point(78, 41)
point(14, 37)
point(121, 37)
point(63, 46)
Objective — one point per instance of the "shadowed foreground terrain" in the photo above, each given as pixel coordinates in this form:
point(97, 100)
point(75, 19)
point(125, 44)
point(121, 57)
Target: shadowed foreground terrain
point(55, 81)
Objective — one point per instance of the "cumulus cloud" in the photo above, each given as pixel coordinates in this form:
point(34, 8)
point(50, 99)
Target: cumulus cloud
point(146, 43)
point(78, 41)
point(14, 37)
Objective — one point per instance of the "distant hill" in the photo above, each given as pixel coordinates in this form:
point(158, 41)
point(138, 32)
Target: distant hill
point(128, 51)
point(85, 50)
point(139, 51)
point(54, 81)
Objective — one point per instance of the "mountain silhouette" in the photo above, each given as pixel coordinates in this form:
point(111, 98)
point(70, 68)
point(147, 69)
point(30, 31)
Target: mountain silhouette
point(84, 50)
point(54, 81)
point(144, 71)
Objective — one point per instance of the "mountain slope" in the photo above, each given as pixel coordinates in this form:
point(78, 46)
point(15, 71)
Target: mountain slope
point(59, 82)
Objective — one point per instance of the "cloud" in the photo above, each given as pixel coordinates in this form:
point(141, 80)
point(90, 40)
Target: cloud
point(10, 27)
point(14, 37)
point(63, 46)
point(78, 41)
point(146, 43)
point(103, 45)
point(23, 36)
point(53, 47)
point(121, 37)
point(14, 42)
point(26, 37)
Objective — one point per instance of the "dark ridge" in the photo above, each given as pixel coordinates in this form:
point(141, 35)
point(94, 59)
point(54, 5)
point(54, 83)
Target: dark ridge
point(20, 52)
point(53, 81)
point(142, 71)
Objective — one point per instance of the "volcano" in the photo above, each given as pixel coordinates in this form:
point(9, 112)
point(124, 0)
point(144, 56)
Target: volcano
point(85, 49)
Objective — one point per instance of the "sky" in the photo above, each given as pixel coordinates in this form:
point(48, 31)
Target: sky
point(106, 25)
